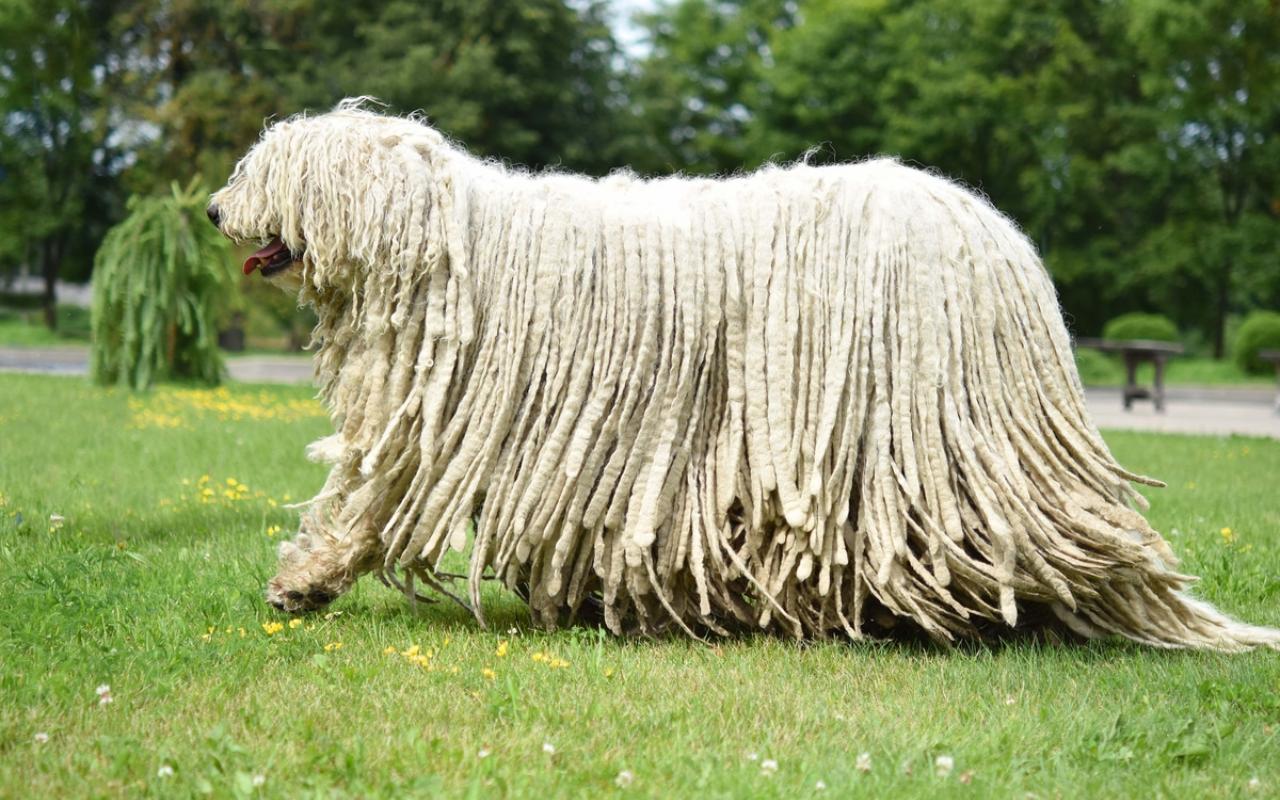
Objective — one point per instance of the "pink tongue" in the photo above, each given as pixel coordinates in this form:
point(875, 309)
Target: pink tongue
point(263, 256)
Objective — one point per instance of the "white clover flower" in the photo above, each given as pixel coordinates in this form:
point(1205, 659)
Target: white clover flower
point(768, 766)
point(258, 780)
point(820, 786)
point(104, 695)
point(165, 771)
point(42, 737)
point(549, 748)
point(863, 764)
point(624, 779)
point(753, 756)
point(943, 765)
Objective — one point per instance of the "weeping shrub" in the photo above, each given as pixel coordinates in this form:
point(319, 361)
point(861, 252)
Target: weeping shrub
point(160, 279)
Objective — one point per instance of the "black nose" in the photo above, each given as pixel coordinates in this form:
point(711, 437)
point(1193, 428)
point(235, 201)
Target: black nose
point(214, 216)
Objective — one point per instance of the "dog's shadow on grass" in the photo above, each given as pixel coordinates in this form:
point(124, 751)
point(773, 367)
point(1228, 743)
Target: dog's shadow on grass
point(506, 614)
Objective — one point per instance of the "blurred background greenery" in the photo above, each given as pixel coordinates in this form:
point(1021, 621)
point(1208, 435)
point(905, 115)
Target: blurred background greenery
point(1134, 140)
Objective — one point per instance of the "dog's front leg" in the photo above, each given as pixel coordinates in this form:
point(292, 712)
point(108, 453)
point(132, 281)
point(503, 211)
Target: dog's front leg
point(319, 566)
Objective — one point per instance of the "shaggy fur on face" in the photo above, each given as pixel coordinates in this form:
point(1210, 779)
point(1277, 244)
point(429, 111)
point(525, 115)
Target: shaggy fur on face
point(812, 400)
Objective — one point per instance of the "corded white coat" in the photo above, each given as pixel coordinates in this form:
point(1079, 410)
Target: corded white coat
point(808, 399)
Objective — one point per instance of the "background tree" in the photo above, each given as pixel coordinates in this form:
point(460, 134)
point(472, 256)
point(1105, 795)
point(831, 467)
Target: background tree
point(1212, 80)
point(1135, 142)
point(699, 90)
point(532, 82)
point(57, 156)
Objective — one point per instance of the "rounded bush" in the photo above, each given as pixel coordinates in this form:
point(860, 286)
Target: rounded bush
point(1137, 325)
point(1259, 331)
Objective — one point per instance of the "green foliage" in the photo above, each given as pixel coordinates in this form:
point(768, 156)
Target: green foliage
point(531, 82)
point(698, 92)
point(58, 155)
point(1137, 143)
point(271, 314)
point(161, 279)
point(1137, 325)
point(1259, 331)
point(26, 328)
point(12, 301)
point(1098, 369)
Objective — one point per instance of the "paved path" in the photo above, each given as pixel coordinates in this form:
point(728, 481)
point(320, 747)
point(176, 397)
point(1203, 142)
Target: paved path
point(74, 360)
point(1190, 410)
point(1246, 411)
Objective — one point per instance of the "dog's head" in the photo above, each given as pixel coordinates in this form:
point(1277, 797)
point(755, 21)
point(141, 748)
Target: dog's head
point(329, 197)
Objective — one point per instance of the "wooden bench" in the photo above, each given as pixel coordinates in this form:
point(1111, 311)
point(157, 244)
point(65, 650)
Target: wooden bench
point(1273, 357)
point(1135, 352)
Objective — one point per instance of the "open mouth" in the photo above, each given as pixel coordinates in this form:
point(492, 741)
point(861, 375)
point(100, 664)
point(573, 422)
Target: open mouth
point(272, 259)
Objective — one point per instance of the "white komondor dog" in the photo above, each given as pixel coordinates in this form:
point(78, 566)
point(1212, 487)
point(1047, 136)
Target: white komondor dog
point(812, 400)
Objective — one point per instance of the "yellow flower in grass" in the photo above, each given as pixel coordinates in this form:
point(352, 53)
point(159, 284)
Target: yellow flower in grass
point(389, 651)
point(488, 674)
point(539, 656)
point(272, 628)
point(1228, 535)
point(501, 652)
point(331, 646)
point(295, 623)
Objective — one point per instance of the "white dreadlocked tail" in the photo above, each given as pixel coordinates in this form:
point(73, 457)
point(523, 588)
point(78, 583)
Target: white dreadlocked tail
point(794, 400)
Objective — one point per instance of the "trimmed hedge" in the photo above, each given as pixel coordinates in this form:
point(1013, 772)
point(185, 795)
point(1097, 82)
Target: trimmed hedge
point(1259, 331)
point(1137, 325)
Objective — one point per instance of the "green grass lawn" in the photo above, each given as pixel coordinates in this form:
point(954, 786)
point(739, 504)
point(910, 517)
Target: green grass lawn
point(168, 509)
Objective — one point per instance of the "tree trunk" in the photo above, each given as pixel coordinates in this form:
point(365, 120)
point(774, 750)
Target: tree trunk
point(1221, 303)
point(50, 264)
